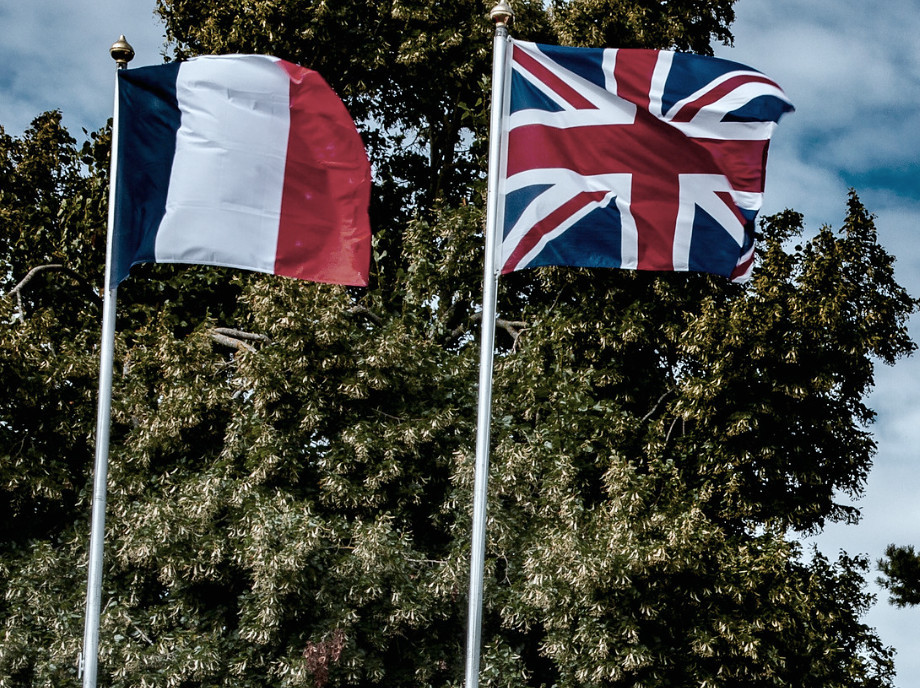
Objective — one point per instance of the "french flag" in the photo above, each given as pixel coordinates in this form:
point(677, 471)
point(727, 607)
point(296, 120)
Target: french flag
point(243, 161)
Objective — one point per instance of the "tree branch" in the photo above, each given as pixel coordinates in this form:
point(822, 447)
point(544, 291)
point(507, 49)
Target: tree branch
point(233, 343)
point(240, 334)
point(236, 339)
point(459, 330)
point(513, 327)
point(18, 289)
point(366, 312)
point(671, 429)
point(655, 407)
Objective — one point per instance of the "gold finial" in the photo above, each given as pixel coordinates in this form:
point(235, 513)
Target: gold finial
point(502, 14)
point(122, 52)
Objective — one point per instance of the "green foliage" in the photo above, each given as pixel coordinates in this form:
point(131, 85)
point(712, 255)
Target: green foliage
point(291, 465)
point(901, 570)
point(47, 210)
point(678, 25)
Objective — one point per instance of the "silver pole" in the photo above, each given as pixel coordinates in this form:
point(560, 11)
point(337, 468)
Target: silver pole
point(502, 15)
point(89, 660)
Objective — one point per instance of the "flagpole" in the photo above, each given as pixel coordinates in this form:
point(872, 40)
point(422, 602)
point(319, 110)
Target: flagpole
point(122, 52)
point(502, 15)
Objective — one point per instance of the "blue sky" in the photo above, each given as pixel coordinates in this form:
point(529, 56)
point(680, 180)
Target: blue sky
point(851, 67)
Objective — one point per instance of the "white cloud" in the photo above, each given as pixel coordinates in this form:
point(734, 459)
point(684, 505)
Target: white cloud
point(56, 57)
point(856, 87)
point(803, 185)
point(852, 69)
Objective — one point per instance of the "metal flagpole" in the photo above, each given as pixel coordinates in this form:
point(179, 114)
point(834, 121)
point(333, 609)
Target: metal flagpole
point(122, 53)
point(502, 15)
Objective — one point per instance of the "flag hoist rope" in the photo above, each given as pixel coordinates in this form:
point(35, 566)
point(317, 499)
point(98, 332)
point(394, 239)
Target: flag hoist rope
point(502, 16)
point(122, 53)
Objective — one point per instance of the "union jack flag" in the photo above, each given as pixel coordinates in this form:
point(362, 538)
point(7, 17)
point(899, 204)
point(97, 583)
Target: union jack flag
point(636, 159)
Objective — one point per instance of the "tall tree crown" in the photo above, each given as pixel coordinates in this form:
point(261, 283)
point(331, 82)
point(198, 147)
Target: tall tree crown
point(291, 465)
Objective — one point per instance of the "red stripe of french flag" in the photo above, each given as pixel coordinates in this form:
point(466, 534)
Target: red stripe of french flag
point(324, 233)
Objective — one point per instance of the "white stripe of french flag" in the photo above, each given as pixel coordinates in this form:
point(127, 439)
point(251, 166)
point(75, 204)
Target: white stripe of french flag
point(243, 161)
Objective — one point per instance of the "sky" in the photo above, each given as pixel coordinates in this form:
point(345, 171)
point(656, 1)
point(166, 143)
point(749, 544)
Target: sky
point(851, 67)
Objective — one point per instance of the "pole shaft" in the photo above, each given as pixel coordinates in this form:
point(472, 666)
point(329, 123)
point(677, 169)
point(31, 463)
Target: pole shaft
point(484, 414)
point(90, 657)
point(97, 532)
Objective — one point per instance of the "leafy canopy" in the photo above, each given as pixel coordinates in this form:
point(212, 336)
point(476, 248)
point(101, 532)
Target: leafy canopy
point(901, 575)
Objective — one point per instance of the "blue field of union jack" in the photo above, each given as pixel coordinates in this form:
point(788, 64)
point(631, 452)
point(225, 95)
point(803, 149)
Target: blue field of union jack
point(636, 159)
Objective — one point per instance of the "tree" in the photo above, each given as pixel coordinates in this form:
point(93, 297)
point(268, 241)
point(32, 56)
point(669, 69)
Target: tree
point(291, 464)
point(901, 568)
point(50, 249)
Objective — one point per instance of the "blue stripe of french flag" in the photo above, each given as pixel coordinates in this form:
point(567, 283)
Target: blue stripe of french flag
point(242, 161)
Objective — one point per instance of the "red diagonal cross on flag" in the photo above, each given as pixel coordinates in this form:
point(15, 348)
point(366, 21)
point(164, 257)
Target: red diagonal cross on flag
point(655, 154)
point(636, 159)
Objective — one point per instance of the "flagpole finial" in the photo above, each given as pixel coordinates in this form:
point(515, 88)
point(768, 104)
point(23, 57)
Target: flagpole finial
point(502, 14)
point(122, 52)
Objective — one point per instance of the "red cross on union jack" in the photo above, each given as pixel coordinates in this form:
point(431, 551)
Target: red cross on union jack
point(637, 159)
